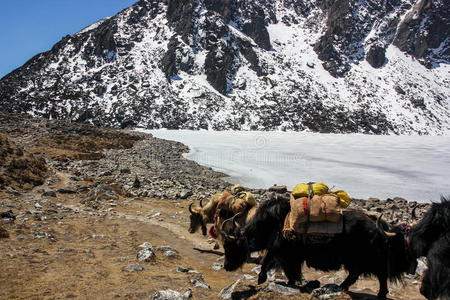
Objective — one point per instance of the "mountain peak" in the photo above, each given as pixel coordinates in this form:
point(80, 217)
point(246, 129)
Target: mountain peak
point(336, 66)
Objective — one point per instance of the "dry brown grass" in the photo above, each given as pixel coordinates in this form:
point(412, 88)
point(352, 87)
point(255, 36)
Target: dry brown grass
point(18, 168)
point(82, 147)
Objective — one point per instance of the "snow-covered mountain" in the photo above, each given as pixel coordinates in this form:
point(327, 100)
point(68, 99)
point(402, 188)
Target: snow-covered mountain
point(376, 66)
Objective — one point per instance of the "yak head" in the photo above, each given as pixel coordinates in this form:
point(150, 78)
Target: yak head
point(434, 224)
point(235, 244)
point(196, 219)
point(400, 257)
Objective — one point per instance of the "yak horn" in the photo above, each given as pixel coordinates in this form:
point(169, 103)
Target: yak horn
point(201, 203)
point(235, 216)
point(413, 213)
point(190, 208)
point(225, 234)
point(231, 237)
point(385, 233)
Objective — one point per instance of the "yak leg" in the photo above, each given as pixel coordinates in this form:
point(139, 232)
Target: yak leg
point(351, 279)
point(216, 246)
point(267, 263)
point(383, 291)
point(292, 269)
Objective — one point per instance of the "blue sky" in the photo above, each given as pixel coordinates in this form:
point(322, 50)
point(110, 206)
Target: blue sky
point(28, 27)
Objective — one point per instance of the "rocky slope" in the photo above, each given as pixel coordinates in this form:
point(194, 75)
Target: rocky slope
point(374, 66)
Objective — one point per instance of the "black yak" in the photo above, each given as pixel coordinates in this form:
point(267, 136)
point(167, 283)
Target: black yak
point(431, 238)
point(362, 248)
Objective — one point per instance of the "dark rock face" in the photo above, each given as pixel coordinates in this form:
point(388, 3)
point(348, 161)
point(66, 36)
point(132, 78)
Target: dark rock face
point(240, 64)
point(424, 32)
point(376, 56)
point(351, 24)
point(220, 63)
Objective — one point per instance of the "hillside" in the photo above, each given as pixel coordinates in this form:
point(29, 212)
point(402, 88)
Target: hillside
point(375, 66)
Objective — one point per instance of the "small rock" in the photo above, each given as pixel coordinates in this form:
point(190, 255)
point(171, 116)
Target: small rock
point(146, 245)
point(168, 295)
point(106, 173)
point(3, 233)
point(41, 235)
point(146, 255)
point(257, 269)
point(66, 191)
point(89, 252)
point(200, 284)
point(136, 183)
point(422, 266)
point(98, 236)
point(13, 191)
point(164, 248)
point(226, 292)
point(22, 236)
point(335, 278)
point(187, 294)
point(67, 250)
point(183, 270)
point(125, 171)
point(133, 268)
point(249, 277)
point(217, 266)
point(275, 287)
point(399, 90)
point(49, 194)
point(280, 189)
point(7, 215)
point(37, 205)
point(329, 291)
point(185, 194)
point(170, 254)
point(155, 215)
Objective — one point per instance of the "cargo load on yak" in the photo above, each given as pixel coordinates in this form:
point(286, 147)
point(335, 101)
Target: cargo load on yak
point(236, 201)
point(315, 209)
point(231, 203)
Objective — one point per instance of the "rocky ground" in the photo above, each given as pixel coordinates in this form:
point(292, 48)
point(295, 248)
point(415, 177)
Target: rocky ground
point(95, 213)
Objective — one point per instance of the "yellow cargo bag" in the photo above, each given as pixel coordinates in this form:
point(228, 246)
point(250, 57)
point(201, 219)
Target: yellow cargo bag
point(302, 189)
point(343, 198)
point(243, 201)
point(248, 197)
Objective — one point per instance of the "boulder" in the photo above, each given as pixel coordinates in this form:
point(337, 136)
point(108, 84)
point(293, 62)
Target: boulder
point(146, 255)
point(376, 56)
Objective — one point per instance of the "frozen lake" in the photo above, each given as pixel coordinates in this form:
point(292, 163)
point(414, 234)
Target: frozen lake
point(413, 167)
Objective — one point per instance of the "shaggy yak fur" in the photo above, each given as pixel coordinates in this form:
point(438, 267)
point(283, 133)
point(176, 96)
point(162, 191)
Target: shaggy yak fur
point(431, 238)
point(362, 248)
point(203, 215)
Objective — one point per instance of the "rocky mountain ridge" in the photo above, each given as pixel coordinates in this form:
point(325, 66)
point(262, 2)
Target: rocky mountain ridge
point(373, 66)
